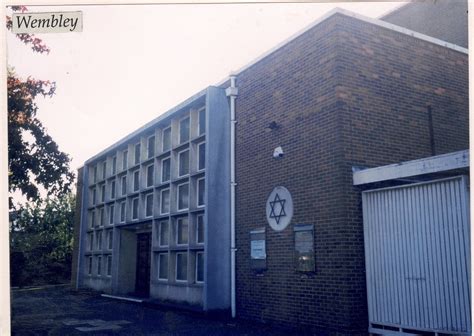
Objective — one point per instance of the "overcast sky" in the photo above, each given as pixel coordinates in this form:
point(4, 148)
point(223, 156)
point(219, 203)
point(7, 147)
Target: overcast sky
point(132, 63)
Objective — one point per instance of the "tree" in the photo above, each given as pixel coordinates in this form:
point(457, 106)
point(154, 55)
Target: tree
point(34, 159)
point(41, 238)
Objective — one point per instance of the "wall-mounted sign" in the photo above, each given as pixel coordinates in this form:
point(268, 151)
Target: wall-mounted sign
point(258, 254)
point(279, 208)
point(304, 247)
point(257, 249)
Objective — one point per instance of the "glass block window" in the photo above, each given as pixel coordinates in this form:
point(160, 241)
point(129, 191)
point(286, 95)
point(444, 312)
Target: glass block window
point(165, 170)
point(150, 172)
point(200, 267)
point(149, 205)
point(136, 180)
point(202, 122)
point(109, 265)
point(111, 214)
point(99, 240)
point(183, 196)
point(151, 146)
point(181, 266)
point(166, 139)
point(165, 201)
point(202, 156)
point(163, 239)
point(104, 169)
point(184, 130)
point(135, 208)
point(124, 185)
point(89, 267)
point(112, 190)
point(125, 159)
point(183, 163)
point(102, 193)
point(200, 191)
point(200, 229)
point(163, 266)
point(137, 153)
point(182, 231)
point(122, 212)
point(101, 217)
point(99, 265)
point(114, 165)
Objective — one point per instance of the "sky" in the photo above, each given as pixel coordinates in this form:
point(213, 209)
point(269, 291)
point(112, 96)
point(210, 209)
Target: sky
point(132, 63)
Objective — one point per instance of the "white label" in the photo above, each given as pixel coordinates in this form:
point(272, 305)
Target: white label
point(57, 22)
point(257, 249)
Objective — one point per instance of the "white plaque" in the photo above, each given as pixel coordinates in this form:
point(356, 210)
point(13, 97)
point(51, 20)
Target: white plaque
point(257, 249)
point(279, 208)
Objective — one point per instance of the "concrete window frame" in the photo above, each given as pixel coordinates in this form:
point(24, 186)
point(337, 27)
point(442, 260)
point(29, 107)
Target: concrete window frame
point(89, 266)
point(125, 159)
point(110, 239)
point(198, 191)
point(201, 113)
point(166, 139)
point(99, 266)
point(93, 196)
point(149, 203)
point(113, 170)
point(160, 235)
point(101, 217)
point(168, 164)
point(102, 193)
point(123, 182)
point(185, 168)
point(201, 164)
point(90, 239)
point(184, 137)
point(137, 153)
point(136, 180)
point(163, 191)
point(112, 189)
point(99, 241)
point(111, 214)
point(150, 144)
point(196, 271)
point(178, 196)
point(109, 266)
point(185, 254)
point(182, 222)
point(123, 212)
point(92, 219)
point(198, 241)
point(104, 170)
point(135, 208)
point(160, 277)
point(150, 179)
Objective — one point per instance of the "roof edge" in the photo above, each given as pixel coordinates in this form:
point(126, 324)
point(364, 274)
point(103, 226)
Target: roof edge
point(148, 124)
point(360, 17)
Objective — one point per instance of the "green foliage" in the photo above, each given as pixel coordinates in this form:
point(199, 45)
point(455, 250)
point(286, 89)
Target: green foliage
point(34, 158)
point(41, 239)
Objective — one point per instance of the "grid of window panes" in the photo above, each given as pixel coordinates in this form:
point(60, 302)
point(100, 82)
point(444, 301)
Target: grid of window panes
point(158, 177)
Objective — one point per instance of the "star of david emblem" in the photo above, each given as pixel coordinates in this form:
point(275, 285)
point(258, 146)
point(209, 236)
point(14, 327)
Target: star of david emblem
point(277, 208)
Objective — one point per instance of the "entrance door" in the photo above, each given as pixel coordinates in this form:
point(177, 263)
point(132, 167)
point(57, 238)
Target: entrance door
point(142, 284)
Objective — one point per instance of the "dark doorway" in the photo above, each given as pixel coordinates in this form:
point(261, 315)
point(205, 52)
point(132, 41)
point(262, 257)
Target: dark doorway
point(142, 284)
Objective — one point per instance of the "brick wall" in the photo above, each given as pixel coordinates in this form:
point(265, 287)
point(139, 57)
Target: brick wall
point(344, 93)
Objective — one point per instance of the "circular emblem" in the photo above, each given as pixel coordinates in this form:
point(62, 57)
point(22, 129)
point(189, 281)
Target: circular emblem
point(279, 208)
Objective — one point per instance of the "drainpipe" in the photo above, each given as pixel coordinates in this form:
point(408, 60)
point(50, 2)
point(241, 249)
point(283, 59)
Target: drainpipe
point(232, 92)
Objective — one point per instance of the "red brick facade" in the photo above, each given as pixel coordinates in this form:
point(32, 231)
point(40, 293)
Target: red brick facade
point(345, 93)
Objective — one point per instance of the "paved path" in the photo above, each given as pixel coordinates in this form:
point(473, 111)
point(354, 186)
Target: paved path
point(59, 311)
